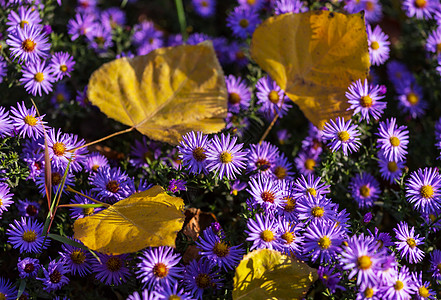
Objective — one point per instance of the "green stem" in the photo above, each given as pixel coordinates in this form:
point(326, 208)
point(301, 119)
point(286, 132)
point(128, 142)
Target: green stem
point(181, 18)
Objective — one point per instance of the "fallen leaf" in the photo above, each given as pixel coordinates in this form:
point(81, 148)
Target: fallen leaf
point(146, 219)
point(268, 274)
point(196, 221)
point(314, 57)
point(164, 94)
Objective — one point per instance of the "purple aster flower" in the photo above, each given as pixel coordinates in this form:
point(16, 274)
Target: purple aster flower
point(288, 6)
point(421, 9)
point(193, 149)
point(341, 134)
point(29, 209)
point(87, 5)
point(393, 140)
point(309, 208)
point(47, 29)
point(290, 238)
point(80, 212)
point(100, 38)
point(389, 270)
point(144, 152)
point(225, 157)
point(204, 8)
point(83, 24)
point(401, 287)
point(26, 122)
point(145, 295)
point(36, 77)
point(239, 94)
point(168, 292)
point(287, 211)
point(213, 248)
point(397, 72)
point(242, 21)
point(3, 68)
point(60, 96)
point(158, 267)
point(29, 44)
point(133, 188)
point(5, 197)
point(147, 37)
point(62, 64)
point(237, 186)
point(306, 161)
point(200, 276)
point(81, 97)
point(364, 99)
point(112, 269)
point(54, 277)
point(435, 264)
point(26, 16)
point(411, 100)
point(79, 155)
point(110, 184)
point(263, 232)
point(59, 145)
point(27, 235)
point(251, 4)
point(314, 141)
point(368, 292)
point(331, 278)
point(322, 241)
point(28, 267)
point(236, 52)
point(390, 170)
point(281, 168)
point(57, 175)
point(7, 289)
point(365, 190)
point(265, 192)
point(423, 290)
point(271, 98)
point(342, 219)
point(423, 190)
point(94, 161)
point(361, 258)
point(371, 8)
point(367, 218)
point(408, 242)
point(113, 17)
point(378, 45)
point(77, 260)
point(310, 186)
point(262, 157)
point(176, 185)
point(283, 136)
point(433, 43)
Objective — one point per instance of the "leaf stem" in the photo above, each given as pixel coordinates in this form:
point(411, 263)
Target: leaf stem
point(103, 139)
point(269, 128)
point(181, 18)
point(69, 189)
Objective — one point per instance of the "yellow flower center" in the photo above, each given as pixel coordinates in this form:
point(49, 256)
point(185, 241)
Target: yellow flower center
point(375, 45)
point(280, 172)
point(28, 45)
point(244, 23)
point(426, 191)
point(324, 242)
point(369, 292)
point(30, 120)
point(268, 196)
point(317, 211)
point(412, 98)
point(263, 164)
point(309, 164)
point(366, 101)
point(267, 235)
point(112, 186)
point(60, 97)
point(114, 264)
point(225, 157)
point(78, 257)
point(221, 249)
point(55, 277)
point(23, 23)
point(423, 292)
point(399, 285)
point(273, 97)
point(411, 242)
point(174, 297)
point(251, 2)
point(160, 270)
point(234, 98)
point(438, 266)
point(199, 154)
point(343, 136)
point(39, 77)
point(394, 141)
point(59, 148)
point(392, 166)
point(63, 68)
point(288, 237)
point(203, 281)
point(311, 191)
point(438, 47)
point(420, 3)
point(432, 217)
point(370, 6)
point(29, 236)
point(290, 204)
point(365, 191)
point(364, 262)
point(204, 4)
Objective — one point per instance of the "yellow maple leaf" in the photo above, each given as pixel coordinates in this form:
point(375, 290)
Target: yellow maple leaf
point(164, 94)
point(314, 57)
point(268, 274)
point(150, 218)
